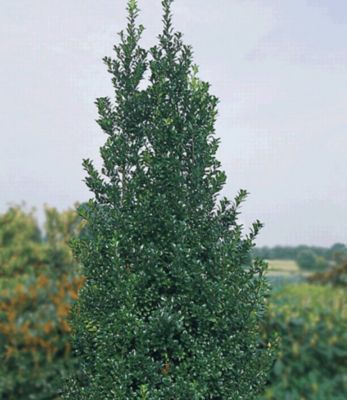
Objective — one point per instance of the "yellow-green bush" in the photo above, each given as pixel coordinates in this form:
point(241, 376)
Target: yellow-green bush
point(20, 243)
point(38, 283)
point(311, 322)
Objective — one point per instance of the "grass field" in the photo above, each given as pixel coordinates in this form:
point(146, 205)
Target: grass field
point(283, 266)
point(285, 271)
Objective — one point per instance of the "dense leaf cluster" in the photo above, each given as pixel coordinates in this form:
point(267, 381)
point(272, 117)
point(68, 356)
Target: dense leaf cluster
point(172, 303)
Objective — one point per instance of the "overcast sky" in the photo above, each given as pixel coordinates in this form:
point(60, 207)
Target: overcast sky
point(278, 67)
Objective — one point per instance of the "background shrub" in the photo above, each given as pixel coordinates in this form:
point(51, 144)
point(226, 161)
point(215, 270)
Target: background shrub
point(336, 276)
point(39, 282)
point(311, 322)
point(308, 260)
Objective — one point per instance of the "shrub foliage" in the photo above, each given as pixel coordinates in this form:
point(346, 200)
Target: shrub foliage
point(172, 303)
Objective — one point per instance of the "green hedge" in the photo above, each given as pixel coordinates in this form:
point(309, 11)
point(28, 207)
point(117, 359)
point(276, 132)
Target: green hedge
point(311, 322)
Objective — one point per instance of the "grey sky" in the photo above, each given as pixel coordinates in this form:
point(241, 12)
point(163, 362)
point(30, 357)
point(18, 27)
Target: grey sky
point(278, 67)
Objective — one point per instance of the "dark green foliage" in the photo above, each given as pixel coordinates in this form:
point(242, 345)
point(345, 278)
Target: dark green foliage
point(172, 303)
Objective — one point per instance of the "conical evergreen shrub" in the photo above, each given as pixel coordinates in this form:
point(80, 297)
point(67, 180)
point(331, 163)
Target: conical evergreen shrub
point(172, 303)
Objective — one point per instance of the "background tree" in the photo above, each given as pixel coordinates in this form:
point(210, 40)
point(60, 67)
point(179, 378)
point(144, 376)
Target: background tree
point(338, 253)
point(39, 281)
point(307, 259)
point(172, 302)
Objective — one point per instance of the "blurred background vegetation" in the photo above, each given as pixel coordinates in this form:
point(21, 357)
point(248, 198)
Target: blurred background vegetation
point(39, 282)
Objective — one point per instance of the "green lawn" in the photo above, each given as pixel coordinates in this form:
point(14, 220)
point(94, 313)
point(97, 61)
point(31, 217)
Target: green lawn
point(285, 269)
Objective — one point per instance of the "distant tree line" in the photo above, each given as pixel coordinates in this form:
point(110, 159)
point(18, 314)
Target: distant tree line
point(308, 257)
